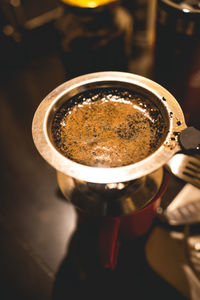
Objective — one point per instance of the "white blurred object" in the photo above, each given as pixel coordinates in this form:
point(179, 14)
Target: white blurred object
point(185, 208)
point(169, 252)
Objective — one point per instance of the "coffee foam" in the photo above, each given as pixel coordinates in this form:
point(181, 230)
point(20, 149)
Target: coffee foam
point(108, 128)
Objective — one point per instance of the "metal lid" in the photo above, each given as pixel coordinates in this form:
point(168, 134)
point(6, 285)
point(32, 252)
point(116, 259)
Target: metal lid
point(167, 104)
point(185, 6)
point(180, 16)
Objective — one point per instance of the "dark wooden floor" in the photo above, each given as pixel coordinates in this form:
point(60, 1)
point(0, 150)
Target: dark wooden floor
point(36, 223)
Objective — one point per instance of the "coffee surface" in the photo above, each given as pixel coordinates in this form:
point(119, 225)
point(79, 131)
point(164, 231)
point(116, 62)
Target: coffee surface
point(107, 128)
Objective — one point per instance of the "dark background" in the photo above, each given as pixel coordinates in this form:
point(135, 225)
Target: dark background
point(36, 223)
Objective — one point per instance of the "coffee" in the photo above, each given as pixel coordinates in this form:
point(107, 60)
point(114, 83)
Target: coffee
point(108, 127)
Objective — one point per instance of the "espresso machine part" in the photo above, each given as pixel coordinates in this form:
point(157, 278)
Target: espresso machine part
point(177, 53)
point(113, 188)
point(94, 36)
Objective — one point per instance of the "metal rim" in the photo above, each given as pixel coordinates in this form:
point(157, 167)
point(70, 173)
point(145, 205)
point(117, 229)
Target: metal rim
point(107, 175)
point(183, 8)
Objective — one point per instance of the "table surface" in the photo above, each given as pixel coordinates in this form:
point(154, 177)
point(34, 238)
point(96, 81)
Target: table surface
point(42, 253)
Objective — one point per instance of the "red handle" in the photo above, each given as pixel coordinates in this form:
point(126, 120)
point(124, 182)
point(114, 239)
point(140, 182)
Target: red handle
point(108, 242)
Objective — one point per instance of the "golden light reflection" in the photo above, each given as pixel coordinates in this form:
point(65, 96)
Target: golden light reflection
point(88, 3)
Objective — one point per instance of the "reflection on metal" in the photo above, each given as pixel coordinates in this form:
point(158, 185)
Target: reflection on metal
point(98, 199)
point(184, 5)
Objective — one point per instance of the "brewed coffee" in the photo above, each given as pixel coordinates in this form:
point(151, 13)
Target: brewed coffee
point(108, 127)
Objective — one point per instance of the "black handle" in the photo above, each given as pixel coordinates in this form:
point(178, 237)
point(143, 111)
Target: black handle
point(189, 139)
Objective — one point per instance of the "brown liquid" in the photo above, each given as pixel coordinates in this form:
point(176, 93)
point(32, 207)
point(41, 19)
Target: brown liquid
point(107, 128)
